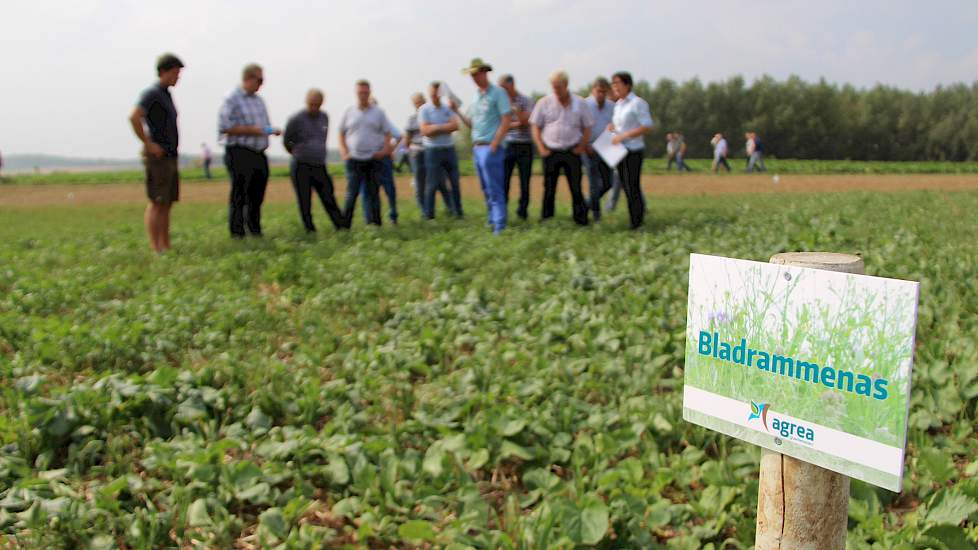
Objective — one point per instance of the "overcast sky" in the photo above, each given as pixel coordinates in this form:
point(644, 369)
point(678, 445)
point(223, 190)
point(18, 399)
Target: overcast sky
point(73, 70)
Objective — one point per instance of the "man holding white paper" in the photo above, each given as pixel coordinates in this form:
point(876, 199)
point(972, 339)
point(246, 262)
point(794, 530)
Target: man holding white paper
point(631, 121)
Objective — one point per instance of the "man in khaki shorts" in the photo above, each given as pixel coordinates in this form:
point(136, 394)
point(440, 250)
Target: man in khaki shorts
point(155, 109)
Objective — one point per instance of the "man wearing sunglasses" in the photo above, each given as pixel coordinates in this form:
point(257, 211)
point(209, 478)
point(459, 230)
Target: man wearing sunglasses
point(244, 127)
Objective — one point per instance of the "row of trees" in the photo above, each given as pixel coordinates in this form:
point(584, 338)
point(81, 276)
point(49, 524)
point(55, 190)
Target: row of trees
point(797, 119)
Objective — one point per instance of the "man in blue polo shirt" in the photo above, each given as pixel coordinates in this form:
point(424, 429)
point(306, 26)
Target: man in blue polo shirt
point(489, 116)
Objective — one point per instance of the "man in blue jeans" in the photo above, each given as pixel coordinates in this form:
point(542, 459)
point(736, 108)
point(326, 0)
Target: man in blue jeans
point(489, 116)
point(365, 140)
point(438, 122)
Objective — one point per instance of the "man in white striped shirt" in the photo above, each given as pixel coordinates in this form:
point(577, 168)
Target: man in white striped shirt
point(561, 127)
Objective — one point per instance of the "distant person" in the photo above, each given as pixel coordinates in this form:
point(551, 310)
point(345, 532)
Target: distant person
point(598, 172)
point(155, 108)
point(438, 122)
point(755, 153)
point(305, 139)
point(489, 116)
point(681, 152)
point(401, 159)
point(631, 121)
point(1, 165)
point(244, 126)
point(364, 136)
point(519, 143)
point(670, 150)
point(205, 159)
point(561, 127)
point(720, 152)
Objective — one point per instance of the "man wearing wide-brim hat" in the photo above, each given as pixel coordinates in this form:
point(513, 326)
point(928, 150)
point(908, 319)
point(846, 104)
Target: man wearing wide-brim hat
point(489, 117)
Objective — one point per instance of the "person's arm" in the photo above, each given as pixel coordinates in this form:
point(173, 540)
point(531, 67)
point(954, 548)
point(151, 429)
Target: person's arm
point(461, 116)
point(538, 140)
point(628, 134)
point(501, 132)
point(582, 147)
point(386, 150)
point(427, 128)
point(587, 121)
point(522, 117)
point(289, 137)
point(151, 148)
point(406, 139)
point(432, 130)
point(391, 135)
point(506, 117)
point(344, 150)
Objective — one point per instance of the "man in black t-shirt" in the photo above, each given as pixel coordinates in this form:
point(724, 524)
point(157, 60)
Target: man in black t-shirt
point(155, 109)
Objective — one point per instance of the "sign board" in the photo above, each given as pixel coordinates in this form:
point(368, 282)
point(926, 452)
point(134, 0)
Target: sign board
point(813, 364)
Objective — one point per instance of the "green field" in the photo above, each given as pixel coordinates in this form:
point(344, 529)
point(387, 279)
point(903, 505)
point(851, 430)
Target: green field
point(430, 385)
point(650, 166)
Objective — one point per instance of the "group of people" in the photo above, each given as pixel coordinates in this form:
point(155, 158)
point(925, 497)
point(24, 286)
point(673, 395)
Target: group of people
point(753, 147)
point(507, 127)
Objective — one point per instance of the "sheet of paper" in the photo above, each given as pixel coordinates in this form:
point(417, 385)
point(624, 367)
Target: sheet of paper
point(611, 153)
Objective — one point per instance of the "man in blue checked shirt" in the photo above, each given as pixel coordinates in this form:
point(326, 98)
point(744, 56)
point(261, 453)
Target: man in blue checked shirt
point(243, 127)
point(489, 116)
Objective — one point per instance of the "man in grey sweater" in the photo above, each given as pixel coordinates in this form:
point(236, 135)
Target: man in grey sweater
point(305, 139)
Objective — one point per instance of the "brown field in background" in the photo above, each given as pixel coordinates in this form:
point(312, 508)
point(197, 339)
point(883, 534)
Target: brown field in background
point(280, 190)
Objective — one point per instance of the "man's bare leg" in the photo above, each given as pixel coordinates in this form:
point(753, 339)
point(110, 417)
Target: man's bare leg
point(165, 226)
point(152, 221)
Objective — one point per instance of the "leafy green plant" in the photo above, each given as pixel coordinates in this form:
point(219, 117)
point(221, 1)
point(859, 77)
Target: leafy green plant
point(429, 384)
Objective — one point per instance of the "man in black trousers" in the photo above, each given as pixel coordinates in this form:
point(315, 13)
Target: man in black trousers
point(244, 126)
point(305, 139)
point(561, 127)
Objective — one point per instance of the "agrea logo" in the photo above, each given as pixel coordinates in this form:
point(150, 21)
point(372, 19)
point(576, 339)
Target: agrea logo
point(784, 428)
point(759, 411)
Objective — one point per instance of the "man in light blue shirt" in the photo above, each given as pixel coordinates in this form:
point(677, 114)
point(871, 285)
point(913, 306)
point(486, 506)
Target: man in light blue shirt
point(438, 122)
point(489, 116)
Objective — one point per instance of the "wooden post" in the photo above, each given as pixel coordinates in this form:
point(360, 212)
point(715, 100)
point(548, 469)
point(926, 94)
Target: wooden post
point(801, 506)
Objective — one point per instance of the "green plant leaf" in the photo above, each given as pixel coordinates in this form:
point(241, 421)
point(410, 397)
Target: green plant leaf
point(417, 530)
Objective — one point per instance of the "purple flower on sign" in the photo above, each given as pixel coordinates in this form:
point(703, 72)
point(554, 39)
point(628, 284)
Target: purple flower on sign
point(719, 317)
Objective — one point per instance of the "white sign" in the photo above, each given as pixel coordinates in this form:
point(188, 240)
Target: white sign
point(813, 364)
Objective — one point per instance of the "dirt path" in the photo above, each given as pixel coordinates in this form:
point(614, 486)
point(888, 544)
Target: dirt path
point(280, 190)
